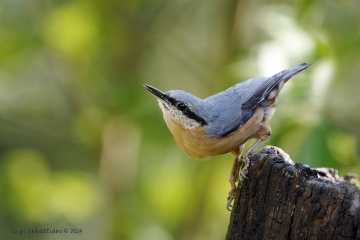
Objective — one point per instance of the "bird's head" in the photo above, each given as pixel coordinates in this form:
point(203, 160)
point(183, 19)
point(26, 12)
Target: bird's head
point(180, 107)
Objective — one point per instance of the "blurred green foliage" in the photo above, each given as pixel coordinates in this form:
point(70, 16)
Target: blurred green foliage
point(84, 146)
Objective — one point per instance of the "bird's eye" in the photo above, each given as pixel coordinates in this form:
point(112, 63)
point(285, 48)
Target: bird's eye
point(181, 106)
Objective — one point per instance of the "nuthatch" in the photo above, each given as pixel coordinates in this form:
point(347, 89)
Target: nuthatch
point(223, 122)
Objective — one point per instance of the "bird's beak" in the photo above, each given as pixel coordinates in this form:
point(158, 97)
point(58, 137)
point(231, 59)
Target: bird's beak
point(156, 92)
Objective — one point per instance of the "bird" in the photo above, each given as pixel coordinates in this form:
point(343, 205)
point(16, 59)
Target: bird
point(224, 122)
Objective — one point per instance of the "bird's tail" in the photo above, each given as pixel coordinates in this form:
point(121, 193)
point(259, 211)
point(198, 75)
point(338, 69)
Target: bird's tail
point(287, 74)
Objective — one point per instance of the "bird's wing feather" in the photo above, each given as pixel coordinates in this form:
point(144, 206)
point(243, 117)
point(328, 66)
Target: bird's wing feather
point(235, 106)
point(260, 94)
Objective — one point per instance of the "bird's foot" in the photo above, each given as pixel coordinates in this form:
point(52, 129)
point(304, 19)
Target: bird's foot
point(230, 198)
point(234, 177)
point(240, 162)
point(245, 164)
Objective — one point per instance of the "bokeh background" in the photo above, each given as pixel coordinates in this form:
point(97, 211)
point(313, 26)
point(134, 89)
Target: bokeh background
point(83, 144)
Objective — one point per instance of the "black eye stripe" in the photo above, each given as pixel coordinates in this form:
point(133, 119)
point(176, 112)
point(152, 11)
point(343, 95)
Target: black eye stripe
point(192, 115)
point(187, 111)
point(172, 101)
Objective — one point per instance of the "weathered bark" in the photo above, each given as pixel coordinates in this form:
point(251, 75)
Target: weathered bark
point(282, 200)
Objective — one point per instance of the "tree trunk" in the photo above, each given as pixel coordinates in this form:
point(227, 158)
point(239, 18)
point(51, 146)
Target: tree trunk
point(282, 200)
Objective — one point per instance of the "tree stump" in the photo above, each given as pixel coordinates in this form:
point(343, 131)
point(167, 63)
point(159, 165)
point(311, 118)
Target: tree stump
point(282, 200)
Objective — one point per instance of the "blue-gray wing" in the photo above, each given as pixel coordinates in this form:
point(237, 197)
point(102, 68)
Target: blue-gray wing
point(233, 107)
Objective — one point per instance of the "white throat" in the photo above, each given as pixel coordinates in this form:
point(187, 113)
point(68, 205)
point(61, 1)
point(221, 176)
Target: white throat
point(171, 113)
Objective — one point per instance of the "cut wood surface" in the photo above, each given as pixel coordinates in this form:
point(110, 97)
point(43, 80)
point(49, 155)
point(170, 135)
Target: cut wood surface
point(282, 200)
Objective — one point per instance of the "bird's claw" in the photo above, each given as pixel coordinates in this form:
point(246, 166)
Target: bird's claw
point(234, 176)
point(270, 150)
point(243, 174)
point(245, 165)
point(230, 198)
point(247, 156)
